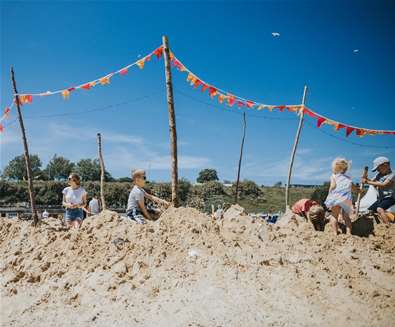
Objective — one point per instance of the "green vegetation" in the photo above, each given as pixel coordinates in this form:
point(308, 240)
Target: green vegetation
point(253, 198)
point(50, 182)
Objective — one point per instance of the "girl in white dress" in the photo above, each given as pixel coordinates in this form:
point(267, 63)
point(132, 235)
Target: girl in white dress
point(339, 199)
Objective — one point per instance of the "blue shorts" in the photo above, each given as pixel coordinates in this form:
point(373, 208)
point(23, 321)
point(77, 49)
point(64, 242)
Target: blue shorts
point(74, 214)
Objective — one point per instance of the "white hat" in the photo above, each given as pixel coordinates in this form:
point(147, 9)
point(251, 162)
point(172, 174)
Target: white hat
point(379, 161)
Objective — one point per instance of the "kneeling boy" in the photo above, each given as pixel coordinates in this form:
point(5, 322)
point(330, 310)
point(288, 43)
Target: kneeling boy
point(136, 209)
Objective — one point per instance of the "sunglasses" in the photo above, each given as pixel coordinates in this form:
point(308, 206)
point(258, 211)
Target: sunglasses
point(71, 179)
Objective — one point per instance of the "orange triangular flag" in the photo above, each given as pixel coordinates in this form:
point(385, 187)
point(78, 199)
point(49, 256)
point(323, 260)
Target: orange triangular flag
point(105, 80)
point(141, 63)
point(65, 94)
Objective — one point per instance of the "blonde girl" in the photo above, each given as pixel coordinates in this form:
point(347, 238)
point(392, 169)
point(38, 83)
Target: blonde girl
point(339, 199)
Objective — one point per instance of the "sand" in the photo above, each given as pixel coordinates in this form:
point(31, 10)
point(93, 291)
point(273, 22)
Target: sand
point(188, 270)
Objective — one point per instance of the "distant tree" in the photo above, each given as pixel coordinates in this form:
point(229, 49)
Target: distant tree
point(89, 170)
point(207, 175)
point(226, 181)
point(59, 168)
point(278, 184)
point(125, 180)
point(16, 168)
point(248, 188)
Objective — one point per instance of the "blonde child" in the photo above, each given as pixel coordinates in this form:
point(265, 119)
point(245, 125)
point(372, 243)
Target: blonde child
point(339, 199)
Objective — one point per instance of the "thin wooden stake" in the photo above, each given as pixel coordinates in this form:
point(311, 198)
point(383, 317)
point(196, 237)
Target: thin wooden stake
point(26, 153)
point(241, 157)
point(291, 163)
point(102, 171)
point(172, 122)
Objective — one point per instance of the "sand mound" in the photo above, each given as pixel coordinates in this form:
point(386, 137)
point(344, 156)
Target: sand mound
point(187, 270)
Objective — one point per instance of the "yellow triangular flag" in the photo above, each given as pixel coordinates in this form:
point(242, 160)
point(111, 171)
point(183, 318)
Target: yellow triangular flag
point(141, 63)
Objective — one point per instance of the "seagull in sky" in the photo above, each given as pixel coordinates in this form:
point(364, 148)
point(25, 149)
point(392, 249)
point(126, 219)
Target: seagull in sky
point(355, 50)
point(275, 34)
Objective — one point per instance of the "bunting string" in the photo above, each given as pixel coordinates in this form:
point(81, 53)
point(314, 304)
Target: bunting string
point(223, 97)
point(27, 98)
point(231, 99)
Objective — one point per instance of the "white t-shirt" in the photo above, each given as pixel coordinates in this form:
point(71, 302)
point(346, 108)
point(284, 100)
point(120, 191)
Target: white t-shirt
point(94, 206)
point(135, 196)
point(74, 196)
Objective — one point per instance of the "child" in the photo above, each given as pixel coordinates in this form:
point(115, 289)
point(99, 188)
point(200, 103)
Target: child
point(136, 209)
point(384, 181)
point(303, 206)
point(316, 215)
point(94, 205)
point(339, 198)
point(312, 211)
point(74, 200)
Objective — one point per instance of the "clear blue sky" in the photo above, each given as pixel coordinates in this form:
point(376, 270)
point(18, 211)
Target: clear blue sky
point(54, 45)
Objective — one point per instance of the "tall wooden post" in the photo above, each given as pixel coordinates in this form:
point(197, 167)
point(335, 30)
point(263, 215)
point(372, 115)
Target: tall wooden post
point(241, 157)
point(26, 152)
point(172, 122)
point(291, 163)
point(102, 171)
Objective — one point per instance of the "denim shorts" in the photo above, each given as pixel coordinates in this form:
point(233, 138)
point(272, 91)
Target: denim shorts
point(74, 214)
point(385, 204)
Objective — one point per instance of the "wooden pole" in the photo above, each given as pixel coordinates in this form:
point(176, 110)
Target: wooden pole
point(102, 171)
point(26, 153)
point(172, 122)
point(291, 163)
point(241, 157)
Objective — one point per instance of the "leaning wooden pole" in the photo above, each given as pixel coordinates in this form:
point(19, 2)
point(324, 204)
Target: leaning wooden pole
point(102, 171)
point(172, 122)
point(26, 152)
point(241, 157)
point(291, 163)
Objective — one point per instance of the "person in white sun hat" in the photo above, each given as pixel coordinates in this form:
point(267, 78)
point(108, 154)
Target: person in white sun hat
point(384, 181)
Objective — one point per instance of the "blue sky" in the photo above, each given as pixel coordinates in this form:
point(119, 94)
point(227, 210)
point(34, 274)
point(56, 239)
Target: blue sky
point(53, 45)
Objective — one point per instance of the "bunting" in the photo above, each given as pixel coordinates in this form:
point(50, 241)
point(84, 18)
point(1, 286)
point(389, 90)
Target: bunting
point(5, 115)
point(196, 82)
point(104, 80)
point(230, 99)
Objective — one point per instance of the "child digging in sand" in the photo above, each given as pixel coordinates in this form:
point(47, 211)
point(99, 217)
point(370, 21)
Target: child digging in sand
point(384, 181)
point(339, 199)
point(136, 209)
point(312, 211)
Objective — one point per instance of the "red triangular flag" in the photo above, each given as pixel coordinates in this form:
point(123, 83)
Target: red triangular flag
point(123, 71)
point(158, 52)
point(320, 121)
point(212, 91)
point(360, 132)
point(349, 130)
point(281, 108)
point(240, 104)
point(204, 87)
point(86, 86)
point(197, 83)
point(231, 100)
point(250, 104)
point(1, 128)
